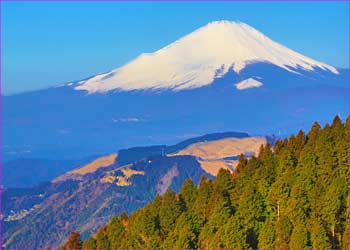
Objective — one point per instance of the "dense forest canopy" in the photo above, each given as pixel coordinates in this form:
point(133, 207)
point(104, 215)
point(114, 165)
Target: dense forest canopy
point(292, 196)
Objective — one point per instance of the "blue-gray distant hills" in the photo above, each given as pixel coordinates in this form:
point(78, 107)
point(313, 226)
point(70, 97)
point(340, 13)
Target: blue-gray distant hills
point(225, 76)
point(28, 172)
point(86, 196)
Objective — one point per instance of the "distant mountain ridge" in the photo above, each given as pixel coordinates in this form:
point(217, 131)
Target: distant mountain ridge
point(88, 196)
point(26, 172)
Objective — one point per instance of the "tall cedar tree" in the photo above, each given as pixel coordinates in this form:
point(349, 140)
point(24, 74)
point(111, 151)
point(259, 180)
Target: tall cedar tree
point(73, 243)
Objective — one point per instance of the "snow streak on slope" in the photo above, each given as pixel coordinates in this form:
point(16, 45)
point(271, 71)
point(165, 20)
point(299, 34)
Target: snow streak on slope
point(198, 58)
point(248, 83)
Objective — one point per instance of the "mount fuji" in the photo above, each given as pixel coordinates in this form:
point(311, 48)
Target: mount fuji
point(197, 59)
point(224, 76)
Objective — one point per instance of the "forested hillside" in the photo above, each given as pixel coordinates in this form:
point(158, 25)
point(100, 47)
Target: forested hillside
point(292, 196)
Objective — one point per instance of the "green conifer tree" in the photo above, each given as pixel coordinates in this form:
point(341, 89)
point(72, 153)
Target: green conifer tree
point(188, 193)
point(102, 242)
point(267, 236)
point(283, 233)
point(114, 230)
point(299, 238)
point(73, 242)
point(89, 244)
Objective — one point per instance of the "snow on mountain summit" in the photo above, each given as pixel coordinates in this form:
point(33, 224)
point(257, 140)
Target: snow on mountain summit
point(198, 58)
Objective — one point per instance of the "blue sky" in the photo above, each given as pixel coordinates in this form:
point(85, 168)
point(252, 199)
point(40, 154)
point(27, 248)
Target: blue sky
point(48, 43)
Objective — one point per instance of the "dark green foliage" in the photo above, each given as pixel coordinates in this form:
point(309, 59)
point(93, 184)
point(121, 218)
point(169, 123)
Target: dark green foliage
point(89, 244)
point(319, 238)
point(114, 230)
point(294, 196)
point(267, 236)
point(231, 235)
point(242, 162)
point(200, 207)
point(299, 238)
point(102, 241)
point(130, 241)
point(169, 211)
point(188, 193)
point(283, 232)
point(185, 234)
point(223, 182)
point(346, 237)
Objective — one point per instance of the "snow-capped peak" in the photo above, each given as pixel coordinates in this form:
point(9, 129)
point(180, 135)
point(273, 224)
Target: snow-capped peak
point(198, 58)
